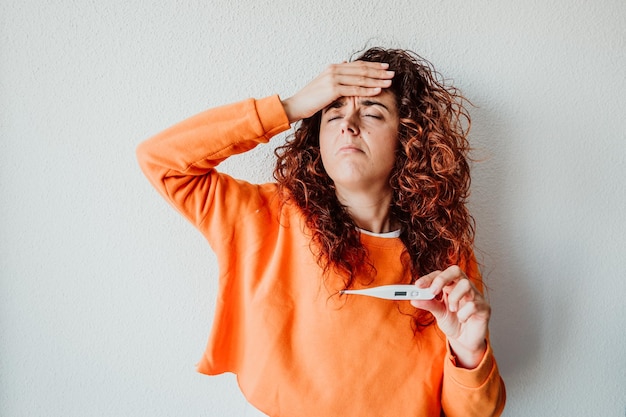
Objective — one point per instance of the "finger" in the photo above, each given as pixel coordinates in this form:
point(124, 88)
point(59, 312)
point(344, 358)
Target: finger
point(371, 69)
point(461, 291)
point(466, 311)
point(426, 280)
point(361, 81)
point(477, 309)
point(445, 278)
point(370, 75)
point(354, 91)
point(359, 87)
point(436, 307)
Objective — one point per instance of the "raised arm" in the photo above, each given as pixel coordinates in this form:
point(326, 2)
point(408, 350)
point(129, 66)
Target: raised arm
point(180, 161)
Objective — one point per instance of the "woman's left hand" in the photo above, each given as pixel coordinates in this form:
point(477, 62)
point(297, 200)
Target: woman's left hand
point(461, 311)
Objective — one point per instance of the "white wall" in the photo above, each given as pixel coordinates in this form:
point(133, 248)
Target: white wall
point(106, 294)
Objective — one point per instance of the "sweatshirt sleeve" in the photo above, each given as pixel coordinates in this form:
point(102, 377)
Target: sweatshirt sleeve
point(476, 392)
point(180, 161)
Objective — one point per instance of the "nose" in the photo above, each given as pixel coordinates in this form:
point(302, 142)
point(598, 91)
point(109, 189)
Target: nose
point(349, 124)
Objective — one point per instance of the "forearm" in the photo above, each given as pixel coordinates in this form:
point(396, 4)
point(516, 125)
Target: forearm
point(199, 143)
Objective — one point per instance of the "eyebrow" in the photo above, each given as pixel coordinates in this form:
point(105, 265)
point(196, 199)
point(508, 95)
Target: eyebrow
point(369, 102)
point(341, 101)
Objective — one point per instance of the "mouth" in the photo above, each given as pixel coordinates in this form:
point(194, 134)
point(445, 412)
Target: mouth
point(349, 149)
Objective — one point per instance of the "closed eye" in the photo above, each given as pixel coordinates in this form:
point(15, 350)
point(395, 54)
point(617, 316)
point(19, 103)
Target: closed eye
point(333, 115)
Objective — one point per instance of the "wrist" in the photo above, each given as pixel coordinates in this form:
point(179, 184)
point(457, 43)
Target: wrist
point(290, 111)
point(467, 358)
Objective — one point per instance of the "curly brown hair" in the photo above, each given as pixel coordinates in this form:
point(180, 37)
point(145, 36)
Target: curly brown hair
point(430, 179)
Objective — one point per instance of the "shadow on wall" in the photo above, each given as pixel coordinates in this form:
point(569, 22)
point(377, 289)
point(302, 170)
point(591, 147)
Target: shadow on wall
point(516, 324)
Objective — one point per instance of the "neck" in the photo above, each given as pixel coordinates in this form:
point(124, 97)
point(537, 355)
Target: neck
point(370, 211)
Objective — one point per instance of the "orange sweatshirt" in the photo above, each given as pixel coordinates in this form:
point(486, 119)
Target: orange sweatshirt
point(297, 347)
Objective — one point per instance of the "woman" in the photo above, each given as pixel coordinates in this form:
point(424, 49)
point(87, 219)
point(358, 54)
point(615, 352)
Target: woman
point(370, 191)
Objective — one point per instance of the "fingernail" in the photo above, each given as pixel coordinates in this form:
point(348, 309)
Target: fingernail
point(384, 65)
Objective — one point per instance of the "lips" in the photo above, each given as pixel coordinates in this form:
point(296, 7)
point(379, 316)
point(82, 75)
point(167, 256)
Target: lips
point(349, 149)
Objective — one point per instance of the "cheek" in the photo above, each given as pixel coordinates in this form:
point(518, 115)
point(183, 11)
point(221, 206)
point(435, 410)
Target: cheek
point(323, 141)
point(388, 147)
point(325, 150)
